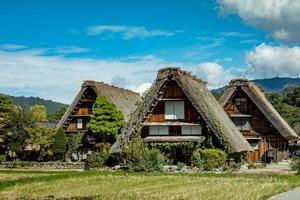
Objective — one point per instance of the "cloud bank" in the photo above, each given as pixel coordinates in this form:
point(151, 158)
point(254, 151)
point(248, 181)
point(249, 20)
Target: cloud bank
point(280, 18)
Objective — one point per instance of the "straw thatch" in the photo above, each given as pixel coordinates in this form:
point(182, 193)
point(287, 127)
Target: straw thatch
point(125, 100)
point(197, 93)
point(259, 99)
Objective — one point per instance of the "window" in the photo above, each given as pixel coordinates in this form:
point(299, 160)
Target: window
point(174, 110)
point(79, 123)
point(158, 130)
point(242, 123)
point(254, 144)
point(241, 104)
point(191, 130)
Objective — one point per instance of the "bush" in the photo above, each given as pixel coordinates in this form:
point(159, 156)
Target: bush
point(96, 160)
point(153, 160)
point(139, 158)
point(197, 159)
point(180, 165)
point(2, 158)
point(296, 165)
point(213, 158)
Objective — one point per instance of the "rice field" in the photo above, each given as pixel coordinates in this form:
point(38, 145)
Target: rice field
point(28, 184)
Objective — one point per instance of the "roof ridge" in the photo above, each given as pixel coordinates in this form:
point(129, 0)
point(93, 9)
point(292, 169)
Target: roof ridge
point(181, 71)
point(89, 82)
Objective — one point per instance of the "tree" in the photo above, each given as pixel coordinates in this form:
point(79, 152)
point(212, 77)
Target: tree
point(293, 98)
point(76, 143)
point(39, 112)
point(106, 119)
point(57, 115)
point(19, 125)
point(6, 107)
point(41, 140)
point(59, 146)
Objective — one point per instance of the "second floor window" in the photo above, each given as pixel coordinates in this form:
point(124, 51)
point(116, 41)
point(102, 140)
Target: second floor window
point(241, 104)
point(242, 123)
point(79, 123)
point(174, 110)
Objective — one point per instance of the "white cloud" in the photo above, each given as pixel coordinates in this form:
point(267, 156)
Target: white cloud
point(69, 49)
point(12, 47)
point(141, 88)
point(267, 60)
point(215, 74)
point(280, 18)
point(235, 34)
point(59, 77)
point(128, 32)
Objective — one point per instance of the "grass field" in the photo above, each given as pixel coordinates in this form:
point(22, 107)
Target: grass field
point(28, 184)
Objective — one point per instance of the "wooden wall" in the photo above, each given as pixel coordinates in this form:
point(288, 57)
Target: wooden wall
point(174, 91)
point(262, 128)
point(83, 110)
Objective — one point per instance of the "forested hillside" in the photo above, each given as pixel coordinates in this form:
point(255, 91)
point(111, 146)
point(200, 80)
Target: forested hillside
point(27, 102)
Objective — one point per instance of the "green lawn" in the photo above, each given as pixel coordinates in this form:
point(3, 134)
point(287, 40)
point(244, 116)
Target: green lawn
point(120, 185)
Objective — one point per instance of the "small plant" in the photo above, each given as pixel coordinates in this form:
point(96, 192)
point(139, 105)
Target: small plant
point(197, 159)
point(2, 158)
point(180, 165)
point(139, 158)
point(96, 160)
point(296, 165)
point(213, 158)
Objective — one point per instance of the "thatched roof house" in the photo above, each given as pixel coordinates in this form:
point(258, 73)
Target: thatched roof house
point(197, 93)
point(263, 127)
point(81, 107)
point(258, 97)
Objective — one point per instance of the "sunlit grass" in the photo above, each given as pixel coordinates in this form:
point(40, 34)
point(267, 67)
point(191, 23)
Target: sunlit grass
point(120, 185)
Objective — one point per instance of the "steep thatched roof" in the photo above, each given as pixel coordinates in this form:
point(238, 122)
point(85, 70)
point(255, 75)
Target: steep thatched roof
point(259, 99)
point(203, 101)
point(125, 100)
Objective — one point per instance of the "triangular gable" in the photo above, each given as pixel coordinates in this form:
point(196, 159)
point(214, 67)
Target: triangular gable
point(259, 99)
point(203, 101)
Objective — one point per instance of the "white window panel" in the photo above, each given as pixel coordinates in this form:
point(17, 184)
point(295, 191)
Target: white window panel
point(179, 109)
point(169, 110)
point(191, 130)
point(158, 130)
point(186, 130)
point(196, 130)
point(174, 110)
point(153, 130)
point(163, 130)
point(79, 123)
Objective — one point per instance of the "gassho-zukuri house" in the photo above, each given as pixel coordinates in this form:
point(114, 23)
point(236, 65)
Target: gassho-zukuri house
point(179, 108)
point(263, 127)
point(78, 113)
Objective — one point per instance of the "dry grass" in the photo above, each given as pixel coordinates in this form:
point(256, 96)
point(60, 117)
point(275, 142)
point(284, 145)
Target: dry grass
point(104, 185)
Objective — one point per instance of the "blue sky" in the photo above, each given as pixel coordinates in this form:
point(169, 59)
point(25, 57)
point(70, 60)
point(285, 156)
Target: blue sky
point(47, 48)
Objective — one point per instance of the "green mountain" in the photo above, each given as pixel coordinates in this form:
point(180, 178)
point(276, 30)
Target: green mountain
point(26, 102)
point(276, 84)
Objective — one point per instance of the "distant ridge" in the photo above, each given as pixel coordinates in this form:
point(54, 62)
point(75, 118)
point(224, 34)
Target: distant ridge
point(275, 84)
point(26, 102)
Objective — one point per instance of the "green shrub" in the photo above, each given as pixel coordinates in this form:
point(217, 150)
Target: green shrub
point(180, 165)
point(197, 159)
point(96, 160)
point(2, 158)
point(296, 165)
point(153, 160)
point(139, 158)
point(213, 158)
